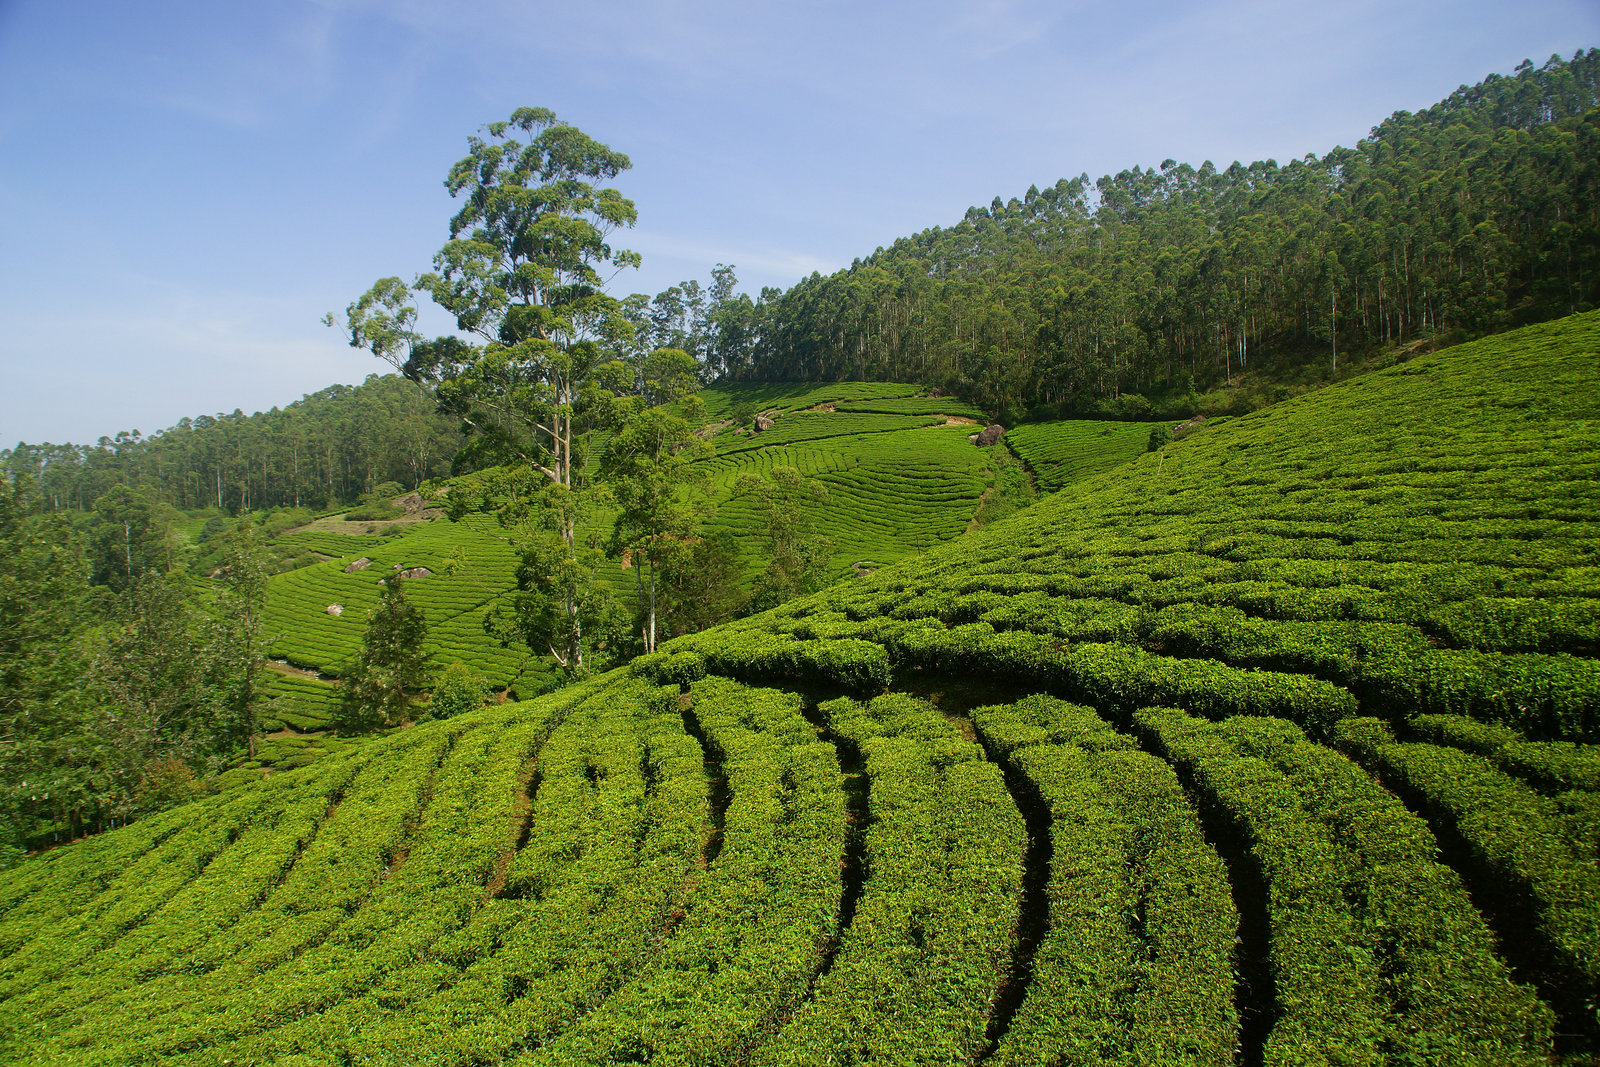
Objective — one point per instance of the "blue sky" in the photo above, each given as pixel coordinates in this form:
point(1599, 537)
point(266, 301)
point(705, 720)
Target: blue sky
point(185, 188)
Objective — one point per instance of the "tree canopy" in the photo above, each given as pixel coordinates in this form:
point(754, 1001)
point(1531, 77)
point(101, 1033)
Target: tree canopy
point(1466, 218)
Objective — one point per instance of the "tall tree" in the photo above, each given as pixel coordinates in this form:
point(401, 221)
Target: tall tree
point(648, 462)
point(524, 273)
point(130, 536)
point(242, 640)
point(379, 683)
point(162, 684)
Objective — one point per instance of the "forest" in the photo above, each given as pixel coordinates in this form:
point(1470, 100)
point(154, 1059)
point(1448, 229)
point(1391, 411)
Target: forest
point(1477, 214)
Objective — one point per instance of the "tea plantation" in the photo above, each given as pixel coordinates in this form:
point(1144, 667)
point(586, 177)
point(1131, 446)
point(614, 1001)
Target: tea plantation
point(470, 566)
point(1277, 747)
point(900, 479)
point(1060, 453)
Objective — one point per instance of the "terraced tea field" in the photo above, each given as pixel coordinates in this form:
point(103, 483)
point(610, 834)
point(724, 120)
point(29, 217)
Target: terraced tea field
point(472, 566)
point(900, 479)
point(1278, 748)
point(298, 700)
point(722, 401)
point(1061, 453)
point(890, 494)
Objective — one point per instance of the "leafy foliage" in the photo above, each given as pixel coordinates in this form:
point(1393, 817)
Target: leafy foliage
point(1461, 219)
point(458, 690)
point(380, 682)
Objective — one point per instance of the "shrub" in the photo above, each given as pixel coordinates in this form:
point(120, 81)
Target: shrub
point(459, 689)
point(165, 782)
point(378, 682)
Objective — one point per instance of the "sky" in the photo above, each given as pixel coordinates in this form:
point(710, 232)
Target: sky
point(186, 188)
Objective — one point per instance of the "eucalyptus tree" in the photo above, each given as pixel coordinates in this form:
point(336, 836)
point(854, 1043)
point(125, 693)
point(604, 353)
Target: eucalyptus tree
point(649, 462)
point(524, 275)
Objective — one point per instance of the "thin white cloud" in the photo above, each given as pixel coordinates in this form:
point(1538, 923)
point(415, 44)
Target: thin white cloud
point(764, 259)
point(171, 352)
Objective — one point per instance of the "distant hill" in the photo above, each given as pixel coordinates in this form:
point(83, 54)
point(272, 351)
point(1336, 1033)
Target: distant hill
point(325, 449)
point(1217, 287)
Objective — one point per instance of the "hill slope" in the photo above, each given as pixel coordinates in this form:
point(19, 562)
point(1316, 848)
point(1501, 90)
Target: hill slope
point(1157, 771)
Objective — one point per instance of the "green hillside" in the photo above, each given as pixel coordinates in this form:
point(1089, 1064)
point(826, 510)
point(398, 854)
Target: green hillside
point(1275, 747)
point(471, 565)
point(901, 477)
point(1060, 453)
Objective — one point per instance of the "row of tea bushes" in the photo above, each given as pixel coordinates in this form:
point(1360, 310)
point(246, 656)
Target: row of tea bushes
point(300, 702)
point(1111, 675)
point(1061, 453)
point(169, 879)
point(332, 545)
point(198, 1004)
point(890, 494)
point(201, 850)
point(425, 891)
point(1136, 964)
point(1376, 949)
point(917, 969)
point(1396, 668)
point(759, 920)
point(1530, 854)
point(1552, 766)
point(916, 405)
point(721, 399)
point(613, 838)
point(807, 426)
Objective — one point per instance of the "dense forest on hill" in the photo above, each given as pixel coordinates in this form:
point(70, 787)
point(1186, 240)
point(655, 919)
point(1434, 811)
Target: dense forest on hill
point(323, 450)
point(1466, 218)
point(1127, 296)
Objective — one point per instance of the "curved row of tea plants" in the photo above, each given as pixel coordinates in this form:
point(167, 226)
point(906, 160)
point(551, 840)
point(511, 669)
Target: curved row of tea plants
point(1529, 856)
point(919, 966)
point(890, 495)
point(798, 427)
point(1135, 964)
point(914, 405)
point(1376, 949)
point(299, 701)
point(722, 400)
point(1061, 453)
